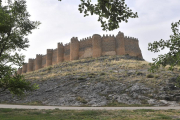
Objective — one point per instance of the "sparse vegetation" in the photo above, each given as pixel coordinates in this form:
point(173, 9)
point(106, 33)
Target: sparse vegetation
point(150, 76)
point(56, 114)
point(94, 74)
point(80, 99)
point(113, 68)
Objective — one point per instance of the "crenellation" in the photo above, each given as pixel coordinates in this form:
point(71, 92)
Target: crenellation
point(108, 45)
point(92, 46)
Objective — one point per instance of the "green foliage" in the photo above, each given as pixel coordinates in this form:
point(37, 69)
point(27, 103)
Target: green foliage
point(110, 12)
point(14, 27)
point(172, 58)
point(178, 81)
point(15, 84)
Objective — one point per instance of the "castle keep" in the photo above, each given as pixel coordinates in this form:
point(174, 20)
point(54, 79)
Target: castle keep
point(94, 46)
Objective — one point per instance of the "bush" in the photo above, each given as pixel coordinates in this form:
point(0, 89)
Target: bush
point(103, 73)
point(150, 76)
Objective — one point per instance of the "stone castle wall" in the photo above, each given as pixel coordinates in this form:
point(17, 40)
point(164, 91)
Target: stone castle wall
point(94, 46)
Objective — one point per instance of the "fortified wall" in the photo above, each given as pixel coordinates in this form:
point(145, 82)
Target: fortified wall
point(94, 46)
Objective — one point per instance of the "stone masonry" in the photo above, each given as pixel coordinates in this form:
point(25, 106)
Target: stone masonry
point(94, 46)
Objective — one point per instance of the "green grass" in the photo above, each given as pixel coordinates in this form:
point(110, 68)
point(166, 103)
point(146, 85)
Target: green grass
point(142, 114)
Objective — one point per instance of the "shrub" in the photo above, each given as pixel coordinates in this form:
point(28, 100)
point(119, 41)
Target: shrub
point(150, 76)
point(103, 73)
point(82, 100)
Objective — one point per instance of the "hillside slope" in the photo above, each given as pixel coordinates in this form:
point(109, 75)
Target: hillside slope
point(104, 81)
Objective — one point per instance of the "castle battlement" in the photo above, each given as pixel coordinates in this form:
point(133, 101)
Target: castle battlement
point(39, 55)
point(49, 50)
point(94, 46)
point(60, 43)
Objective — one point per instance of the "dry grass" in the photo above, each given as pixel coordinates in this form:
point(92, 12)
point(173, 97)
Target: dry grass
point(106, 68)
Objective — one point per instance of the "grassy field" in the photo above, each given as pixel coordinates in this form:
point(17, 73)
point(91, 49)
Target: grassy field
point(21, 114)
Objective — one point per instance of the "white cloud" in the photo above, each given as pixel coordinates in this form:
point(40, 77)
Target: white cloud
point(62, 20)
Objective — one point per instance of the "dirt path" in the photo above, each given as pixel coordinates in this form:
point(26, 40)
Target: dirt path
point(82, 108)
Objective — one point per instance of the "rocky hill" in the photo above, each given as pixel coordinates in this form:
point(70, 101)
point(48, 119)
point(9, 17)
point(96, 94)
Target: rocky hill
point(104, 81)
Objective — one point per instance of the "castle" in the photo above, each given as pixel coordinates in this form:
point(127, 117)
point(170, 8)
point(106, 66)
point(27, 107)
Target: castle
point(89, 47)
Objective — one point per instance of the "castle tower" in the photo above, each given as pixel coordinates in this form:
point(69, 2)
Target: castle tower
point(49, 57)
point(38, 62)
point(74, 49)
point(120, 46)
point(30, 65)
point(60, 53)
point(24, 68)
point(96, 45)
point(19, 71)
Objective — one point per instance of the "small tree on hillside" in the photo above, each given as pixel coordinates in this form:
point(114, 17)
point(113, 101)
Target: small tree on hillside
point(172, 58)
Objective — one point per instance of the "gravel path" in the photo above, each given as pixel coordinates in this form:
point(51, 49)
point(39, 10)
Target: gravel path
point(83, 108)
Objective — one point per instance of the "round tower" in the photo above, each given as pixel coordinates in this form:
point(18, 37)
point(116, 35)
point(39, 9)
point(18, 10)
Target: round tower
point(74, 49)
point(24, 68)
point(19, 71)
point(49, 57)
point(96, 45)
point(60, 53)
point(30, 65)
point(120, 45)
point(38, 62)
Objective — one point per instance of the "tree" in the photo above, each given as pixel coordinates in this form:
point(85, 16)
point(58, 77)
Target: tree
point(172, 58)
point(14, 27)
point(111, 11)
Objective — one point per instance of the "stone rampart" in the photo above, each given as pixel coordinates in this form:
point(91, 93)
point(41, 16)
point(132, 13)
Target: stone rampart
point(24, 68)
point(108, 45)
point(38, 62)
point(60, 53)
point(94, 46)
point(19, 71)
point(54, 57)
point(85, 48)
point(67, 52)
point(49, 56)
point(43, 61)
point(30, 65)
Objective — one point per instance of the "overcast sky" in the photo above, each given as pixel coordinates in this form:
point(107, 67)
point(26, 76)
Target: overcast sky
point(61, 21)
